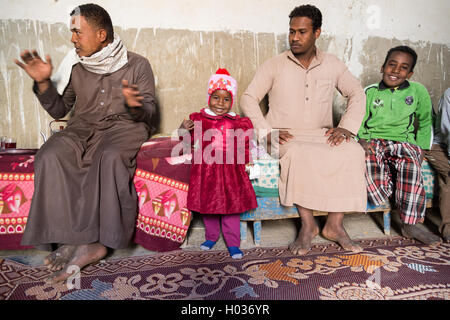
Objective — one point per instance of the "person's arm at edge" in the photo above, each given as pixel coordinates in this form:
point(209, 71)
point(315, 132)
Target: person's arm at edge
point(444, 107)
point(424, 116)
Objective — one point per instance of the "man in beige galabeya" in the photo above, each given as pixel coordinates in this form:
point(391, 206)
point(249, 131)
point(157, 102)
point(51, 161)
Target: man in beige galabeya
point(322, 167)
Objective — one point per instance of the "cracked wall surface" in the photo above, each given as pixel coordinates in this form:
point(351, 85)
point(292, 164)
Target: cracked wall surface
point(183, 60)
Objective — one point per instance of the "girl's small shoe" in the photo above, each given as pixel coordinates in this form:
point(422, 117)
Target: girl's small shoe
point(235, 252)
point(207, 245)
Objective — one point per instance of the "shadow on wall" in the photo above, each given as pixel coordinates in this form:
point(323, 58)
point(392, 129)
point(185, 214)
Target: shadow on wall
point(156, 119)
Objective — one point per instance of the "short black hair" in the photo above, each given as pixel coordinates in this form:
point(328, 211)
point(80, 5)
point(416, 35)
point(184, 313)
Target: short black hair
point(96, 16)
point(404, 49)
point(309, 11)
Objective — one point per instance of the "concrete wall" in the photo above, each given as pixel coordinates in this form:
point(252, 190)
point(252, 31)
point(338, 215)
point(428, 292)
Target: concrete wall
point(187, 40)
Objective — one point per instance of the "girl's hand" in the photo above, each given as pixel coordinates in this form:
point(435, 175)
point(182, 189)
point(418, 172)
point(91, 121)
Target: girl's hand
point(368, 148)
point(187, 124)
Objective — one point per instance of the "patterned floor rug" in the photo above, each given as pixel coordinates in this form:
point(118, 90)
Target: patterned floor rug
point(394, 269)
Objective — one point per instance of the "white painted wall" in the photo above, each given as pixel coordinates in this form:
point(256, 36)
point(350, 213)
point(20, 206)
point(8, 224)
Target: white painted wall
point(347, 23)
point(346, 20)
point(413, 20)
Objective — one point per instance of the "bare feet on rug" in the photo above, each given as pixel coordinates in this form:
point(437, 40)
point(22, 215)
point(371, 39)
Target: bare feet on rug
point(334, 231)
point(302, 244)
point(413, 231)
point(58, 259)
point(342, 238)
point(81, 257)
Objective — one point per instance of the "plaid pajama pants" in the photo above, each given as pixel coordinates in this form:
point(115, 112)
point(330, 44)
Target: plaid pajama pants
point(397, 163)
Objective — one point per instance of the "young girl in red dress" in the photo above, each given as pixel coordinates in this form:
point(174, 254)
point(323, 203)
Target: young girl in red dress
point(219, 187)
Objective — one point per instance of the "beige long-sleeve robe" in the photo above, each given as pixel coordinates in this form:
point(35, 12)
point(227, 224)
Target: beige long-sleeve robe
point(313, 174)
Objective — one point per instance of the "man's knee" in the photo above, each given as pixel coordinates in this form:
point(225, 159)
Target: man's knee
point(293, 151)
point(353, 150)
point(111, 154)
point(51, 151)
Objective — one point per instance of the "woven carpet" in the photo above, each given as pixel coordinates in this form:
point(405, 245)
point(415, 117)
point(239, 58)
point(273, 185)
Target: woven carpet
point(394, 269)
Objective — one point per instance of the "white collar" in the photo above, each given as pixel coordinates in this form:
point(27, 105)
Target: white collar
point(211, 113)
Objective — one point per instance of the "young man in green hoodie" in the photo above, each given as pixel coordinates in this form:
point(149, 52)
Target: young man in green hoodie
point(393, 149)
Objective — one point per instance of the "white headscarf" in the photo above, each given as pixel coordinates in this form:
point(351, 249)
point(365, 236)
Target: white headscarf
point(108, 60)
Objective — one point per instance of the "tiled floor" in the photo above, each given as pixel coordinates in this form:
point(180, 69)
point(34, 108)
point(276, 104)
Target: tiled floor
point(275, 233)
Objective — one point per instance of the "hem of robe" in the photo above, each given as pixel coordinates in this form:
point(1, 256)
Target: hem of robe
point(241, 210)
point(80, 239)
point(326, 204)
point(350, 196)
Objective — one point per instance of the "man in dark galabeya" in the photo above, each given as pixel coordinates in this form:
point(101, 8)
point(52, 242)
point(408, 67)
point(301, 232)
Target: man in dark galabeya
point(84, 196)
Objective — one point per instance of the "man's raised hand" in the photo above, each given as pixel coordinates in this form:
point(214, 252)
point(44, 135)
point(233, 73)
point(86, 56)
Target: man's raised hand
point(132, 95)
point(39, 70)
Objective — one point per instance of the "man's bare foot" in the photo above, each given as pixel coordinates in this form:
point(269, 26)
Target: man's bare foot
point(339, 235)
point(424, 236)
point(302, 244)
point(334, 231)
point(57, 259)
point(82, 256)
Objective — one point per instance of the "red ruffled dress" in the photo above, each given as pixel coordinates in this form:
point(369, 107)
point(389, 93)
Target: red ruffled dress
point(220, 187)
